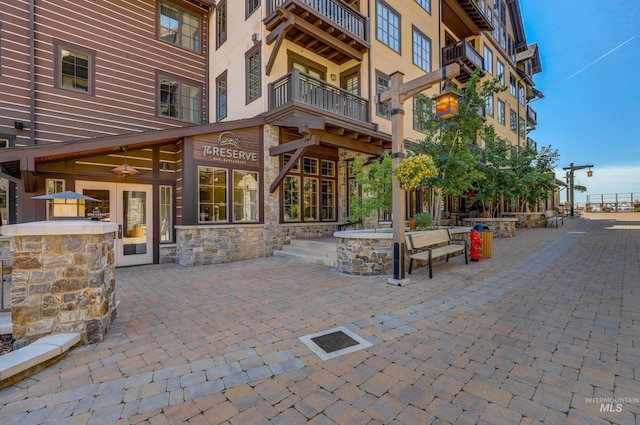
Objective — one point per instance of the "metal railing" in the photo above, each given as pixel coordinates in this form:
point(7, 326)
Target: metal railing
point(300, 87)
point(532, 115)
point(461, 50)
point(336, 11)
point(614, 202)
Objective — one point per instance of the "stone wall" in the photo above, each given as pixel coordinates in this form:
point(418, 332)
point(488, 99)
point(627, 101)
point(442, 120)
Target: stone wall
point(501, 227)
point(62, 283)
point(5, 277)
point(168, 253)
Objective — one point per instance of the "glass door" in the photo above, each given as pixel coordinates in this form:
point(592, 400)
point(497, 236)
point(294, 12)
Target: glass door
point(129, 206)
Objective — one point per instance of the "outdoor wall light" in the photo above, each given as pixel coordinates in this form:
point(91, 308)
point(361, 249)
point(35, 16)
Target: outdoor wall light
point(125, 170)
point(589, 173)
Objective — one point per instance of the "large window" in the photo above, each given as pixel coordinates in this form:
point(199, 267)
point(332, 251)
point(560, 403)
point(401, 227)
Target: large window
point(252, 5)
point(166, 214)
point(221, 96)
point(513, 121)
point(501, 112)
point(420, 107)
point(309, 191)
point(421, 50)
point(75, 68)
point(178, 99)
point(245, 196)
point(500, 70)
point(388, 26)
point(213, 194)
point(253, 72)
point(383, 83)
point(512, 85)
point(489, 105)
point(488, 60)
point(521, 95)
point(521, 126)
point(179, 27)
point(221, 24)
point(426, 4)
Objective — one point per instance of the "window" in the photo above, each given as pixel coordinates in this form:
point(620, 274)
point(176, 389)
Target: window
point(254, 79)
point(501, 112)
point(421, 50)
point(350, 81)
point(310, 194)
point(500, 70)
point(221, 24)
point(308, 67)
point(420, 107)
point(4, 143)
point(166, 214)
point(522, 128)
point(513, 121)
point(521, 95)
point(252, 5)
point(54, 186)
point(179, 27)
point(179, 99)
point(213, 194)
point(512, 85)
point(352, 186)
point(489, 105)
point(383, 83)
point(245, 196)
point(74, 68)
point(388, 26)
point(426, 4)
point(221, 96)
point(488, 60)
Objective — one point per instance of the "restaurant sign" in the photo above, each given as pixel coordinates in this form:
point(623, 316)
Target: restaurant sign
point(228, 149)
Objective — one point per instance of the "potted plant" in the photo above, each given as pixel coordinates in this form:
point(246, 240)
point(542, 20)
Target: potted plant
point(423, 220)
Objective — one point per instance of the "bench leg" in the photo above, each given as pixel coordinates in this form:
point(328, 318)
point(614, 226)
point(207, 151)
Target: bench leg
point(466, 258)
point(430, 266)
point(410, 265)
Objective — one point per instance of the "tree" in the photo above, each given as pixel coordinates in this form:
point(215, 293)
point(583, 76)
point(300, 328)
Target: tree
point(375, 180)
point(453, 142)
point(534, 174)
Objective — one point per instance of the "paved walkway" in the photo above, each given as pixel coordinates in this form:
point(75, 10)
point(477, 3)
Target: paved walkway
point(546, 331)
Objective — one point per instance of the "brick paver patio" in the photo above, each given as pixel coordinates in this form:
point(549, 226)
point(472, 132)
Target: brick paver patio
point(546, 331)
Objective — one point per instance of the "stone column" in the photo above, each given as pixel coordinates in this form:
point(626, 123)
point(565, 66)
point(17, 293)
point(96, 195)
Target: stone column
point(63, 278)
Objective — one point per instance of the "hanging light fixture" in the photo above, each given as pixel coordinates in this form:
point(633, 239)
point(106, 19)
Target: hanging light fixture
point(446, 102)
point(125, 170)
point(589, 173)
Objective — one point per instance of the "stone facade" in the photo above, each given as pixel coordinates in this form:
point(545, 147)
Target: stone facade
point(501, 227)
point(62, 283)
point(168, 253)
point(5, 275)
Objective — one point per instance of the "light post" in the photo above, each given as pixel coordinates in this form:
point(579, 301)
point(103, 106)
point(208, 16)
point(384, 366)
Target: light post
point(570, 178)
point(396, 95)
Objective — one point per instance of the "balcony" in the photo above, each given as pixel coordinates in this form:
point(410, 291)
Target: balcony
point(299, 88)
point(328, 28)
point(532, 117)
point(465, 18)
point(464, 54)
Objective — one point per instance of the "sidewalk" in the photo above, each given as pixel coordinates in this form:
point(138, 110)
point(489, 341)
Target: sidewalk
point(546, 331)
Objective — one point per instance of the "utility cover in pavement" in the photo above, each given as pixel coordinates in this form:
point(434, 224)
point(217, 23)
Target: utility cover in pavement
point(334, 342)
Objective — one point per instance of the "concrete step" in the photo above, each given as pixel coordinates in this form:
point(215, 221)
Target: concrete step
point(312, 251)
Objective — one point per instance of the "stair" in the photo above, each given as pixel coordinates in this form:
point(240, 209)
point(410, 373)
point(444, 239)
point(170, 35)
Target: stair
point(321, 251)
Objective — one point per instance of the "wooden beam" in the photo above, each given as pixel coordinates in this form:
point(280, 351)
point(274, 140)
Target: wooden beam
point(285, 169)
point(328, 39)
point(422, 83)
point(280, 34)
point(305, 142)
point(343, 142)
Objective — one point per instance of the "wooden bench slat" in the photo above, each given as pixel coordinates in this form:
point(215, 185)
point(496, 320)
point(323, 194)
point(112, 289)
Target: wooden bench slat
point(424, 246)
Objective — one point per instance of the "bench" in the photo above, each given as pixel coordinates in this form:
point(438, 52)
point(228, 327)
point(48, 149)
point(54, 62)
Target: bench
point(433, 244)
point(552, 218)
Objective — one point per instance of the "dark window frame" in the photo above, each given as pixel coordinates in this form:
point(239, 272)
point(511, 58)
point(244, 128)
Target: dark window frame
point(221, 23)
point(180, 81)
point(222, 78)
point(58, 46)
point(250, 7)
point(383, 106)
point(422, 5)
point(254, 51)
point(178, 41)
point(398, 35)
point(416, 32)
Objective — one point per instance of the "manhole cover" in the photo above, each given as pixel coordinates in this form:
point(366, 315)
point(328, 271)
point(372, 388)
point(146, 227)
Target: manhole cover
point(334, 342)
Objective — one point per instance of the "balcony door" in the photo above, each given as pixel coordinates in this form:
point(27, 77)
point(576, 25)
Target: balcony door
point(130, 207)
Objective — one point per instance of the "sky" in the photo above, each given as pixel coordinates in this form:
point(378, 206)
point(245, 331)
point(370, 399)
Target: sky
point(590, 53)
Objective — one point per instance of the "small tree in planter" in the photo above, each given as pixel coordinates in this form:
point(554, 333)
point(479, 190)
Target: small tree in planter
point(375, 179)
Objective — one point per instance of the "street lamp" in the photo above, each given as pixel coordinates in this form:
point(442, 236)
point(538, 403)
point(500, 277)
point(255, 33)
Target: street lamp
point(396, 95)
point(570, 179)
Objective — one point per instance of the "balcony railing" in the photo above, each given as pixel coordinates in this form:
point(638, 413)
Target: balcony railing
point(462, 50)
point(532, 115)
point(300, 87)
point(336, 11)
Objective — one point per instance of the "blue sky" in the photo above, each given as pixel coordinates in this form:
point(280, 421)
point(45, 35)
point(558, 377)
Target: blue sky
point(590, 52)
